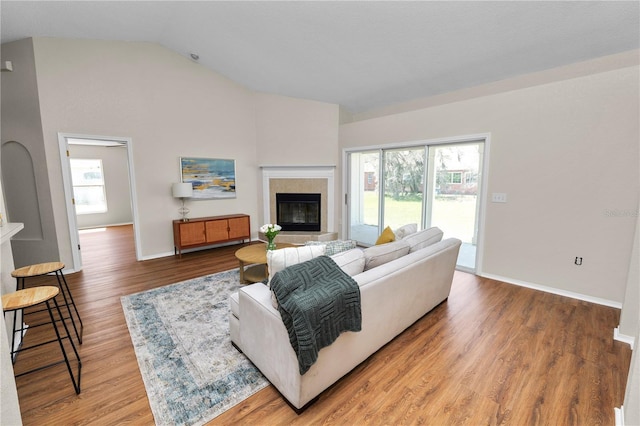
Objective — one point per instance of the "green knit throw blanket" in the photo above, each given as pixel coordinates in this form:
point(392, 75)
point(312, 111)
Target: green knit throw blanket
point(317, 301)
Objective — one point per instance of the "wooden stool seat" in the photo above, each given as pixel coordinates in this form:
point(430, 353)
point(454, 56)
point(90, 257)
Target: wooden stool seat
point(36, 270)
point(55, 268)
point(27, 298)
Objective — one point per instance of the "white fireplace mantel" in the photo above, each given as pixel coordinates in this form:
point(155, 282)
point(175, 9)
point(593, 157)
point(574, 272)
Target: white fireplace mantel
point(279, 170)
point(300, 172)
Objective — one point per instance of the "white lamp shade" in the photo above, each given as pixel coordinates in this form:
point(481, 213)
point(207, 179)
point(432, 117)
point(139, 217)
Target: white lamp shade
point(182, 190)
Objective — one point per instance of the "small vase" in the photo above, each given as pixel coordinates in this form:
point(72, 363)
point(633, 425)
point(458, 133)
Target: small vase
point(271, 245)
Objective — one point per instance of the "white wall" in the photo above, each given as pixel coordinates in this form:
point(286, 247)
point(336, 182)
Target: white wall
point(292, 131)
point(170, 107)
point(631, 404)
point(116, 180)
point(295, 132)
point(21, 122)
point(566, 154)
point(630, 329)
point(9, 404)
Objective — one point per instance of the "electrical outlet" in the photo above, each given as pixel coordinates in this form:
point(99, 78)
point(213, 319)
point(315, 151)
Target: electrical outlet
point(578, 261)
point(499, 197)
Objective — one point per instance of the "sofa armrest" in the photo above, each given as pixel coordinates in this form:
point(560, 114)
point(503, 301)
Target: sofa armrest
point(265, 341)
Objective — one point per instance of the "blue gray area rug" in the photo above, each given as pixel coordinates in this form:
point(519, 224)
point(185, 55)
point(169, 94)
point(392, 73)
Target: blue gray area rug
point(180, 333)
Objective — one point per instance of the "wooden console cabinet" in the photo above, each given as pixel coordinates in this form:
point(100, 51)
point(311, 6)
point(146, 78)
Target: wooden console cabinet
point(204, 231)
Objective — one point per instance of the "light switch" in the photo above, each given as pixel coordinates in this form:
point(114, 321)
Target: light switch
point(499, 197)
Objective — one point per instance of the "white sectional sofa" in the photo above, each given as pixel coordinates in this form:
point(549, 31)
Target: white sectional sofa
point(394, 294)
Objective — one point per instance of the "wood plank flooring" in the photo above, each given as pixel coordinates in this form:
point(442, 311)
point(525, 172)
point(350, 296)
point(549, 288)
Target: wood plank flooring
point(491, 354)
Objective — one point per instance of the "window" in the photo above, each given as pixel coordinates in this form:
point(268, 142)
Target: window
point(450, 177)
point(88, 186)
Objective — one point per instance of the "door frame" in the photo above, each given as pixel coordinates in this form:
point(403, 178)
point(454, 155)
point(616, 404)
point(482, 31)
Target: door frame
point(74, 236)
point(484, 180)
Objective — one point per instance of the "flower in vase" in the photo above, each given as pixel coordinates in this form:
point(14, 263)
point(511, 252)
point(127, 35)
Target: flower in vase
point(270, 230)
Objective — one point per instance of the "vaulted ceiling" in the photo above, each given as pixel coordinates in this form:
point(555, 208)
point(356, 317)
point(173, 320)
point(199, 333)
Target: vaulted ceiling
point(362, 55)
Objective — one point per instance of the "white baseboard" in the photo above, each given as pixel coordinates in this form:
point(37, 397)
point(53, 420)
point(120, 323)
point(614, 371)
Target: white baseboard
point(623, 337)
point(557, 291)
point(619, 413)
point(67, 271)
point(159, 255)
point(104, 226)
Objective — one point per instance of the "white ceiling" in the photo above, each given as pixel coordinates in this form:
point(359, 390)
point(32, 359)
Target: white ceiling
point(362, 55)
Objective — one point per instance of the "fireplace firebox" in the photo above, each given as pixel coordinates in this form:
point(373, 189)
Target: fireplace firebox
point(298, 212)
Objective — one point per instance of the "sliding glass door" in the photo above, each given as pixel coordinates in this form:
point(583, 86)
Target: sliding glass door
point(453, 189)
point(364, 196)
point(430, 185)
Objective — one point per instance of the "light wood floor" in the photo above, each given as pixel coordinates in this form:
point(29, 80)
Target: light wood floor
point(492, 354)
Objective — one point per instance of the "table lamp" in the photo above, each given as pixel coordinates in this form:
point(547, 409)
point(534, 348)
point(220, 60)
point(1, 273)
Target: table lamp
point(182, 190)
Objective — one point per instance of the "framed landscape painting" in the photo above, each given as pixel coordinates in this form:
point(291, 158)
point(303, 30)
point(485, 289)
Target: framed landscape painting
point(212, 178)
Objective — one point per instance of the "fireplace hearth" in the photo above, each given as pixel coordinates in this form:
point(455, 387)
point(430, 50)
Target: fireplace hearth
point(298, 212)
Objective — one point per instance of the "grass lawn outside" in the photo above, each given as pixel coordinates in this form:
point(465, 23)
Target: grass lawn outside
point(454, 214)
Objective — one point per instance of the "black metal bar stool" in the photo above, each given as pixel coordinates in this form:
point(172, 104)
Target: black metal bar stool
point(56, 268)
point(22, 299)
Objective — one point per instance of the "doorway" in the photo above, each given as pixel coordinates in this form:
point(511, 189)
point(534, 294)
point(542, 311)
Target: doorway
point(83, 187)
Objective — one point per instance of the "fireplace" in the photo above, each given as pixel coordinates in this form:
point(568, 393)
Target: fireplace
point(300, 180)
point(298, 212)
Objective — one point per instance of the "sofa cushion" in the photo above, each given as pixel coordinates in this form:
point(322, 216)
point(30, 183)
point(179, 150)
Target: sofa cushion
point(277, 260)
point(423, 238)
point(381, 254)
point(333, 247)
point(387, 236)
point(405, 230)
point(350, 261)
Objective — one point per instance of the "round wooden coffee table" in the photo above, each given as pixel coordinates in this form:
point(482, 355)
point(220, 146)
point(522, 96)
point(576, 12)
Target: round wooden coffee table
point(256, 256)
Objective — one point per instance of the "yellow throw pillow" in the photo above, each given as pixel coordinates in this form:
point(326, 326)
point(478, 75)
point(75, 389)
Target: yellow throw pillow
point(387, 236)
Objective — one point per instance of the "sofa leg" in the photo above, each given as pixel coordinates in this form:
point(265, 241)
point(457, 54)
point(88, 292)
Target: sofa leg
point(304, 407)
